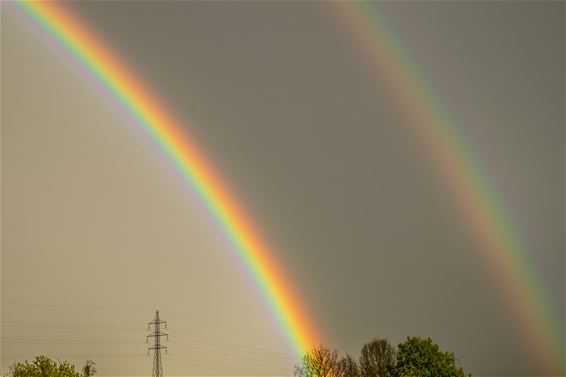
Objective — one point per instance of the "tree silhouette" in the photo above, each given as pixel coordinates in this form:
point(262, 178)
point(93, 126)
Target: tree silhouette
point(378, 359)
point(348, 367)
point(319, 362)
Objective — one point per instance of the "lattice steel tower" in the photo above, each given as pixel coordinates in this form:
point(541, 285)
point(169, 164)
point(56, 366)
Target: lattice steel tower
point(157, 347)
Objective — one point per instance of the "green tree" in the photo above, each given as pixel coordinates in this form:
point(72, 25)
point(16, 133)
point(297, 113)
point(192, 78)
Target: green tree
point(422, 358)
point(378, 359)
point(43, 366)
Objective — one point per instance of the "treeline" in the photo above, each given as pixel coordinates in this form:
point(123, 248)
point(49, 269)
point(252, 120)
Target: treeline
point(415, 357)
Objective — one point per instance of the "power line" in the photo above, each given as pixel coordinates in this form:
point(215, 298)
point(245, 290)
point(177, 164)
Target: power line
point(174, 359)
point(222, 327)
point(69, 356)
point(142, 310)
point(242, 360)
point(101, 308)
point(199, 363)
point(217, 364)
point(243, 355)
point(245, 358)
point(238, 347)
point(46, 325)
point(232, 345)
point(214, 355)
point(68, 341)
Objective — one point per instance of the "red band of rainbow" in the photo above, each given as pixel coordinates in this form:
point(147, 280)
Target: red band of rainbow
point(182, 152)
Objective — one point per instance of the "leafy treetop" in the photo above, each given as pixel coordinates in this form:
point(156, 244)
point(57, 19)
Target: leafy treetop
point(43, 366)
point(422, 358)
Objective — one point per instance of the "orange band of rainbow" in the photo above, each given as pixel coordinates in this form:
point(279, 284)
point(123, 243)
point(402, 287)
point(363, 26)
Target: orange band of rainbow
point(188, 160)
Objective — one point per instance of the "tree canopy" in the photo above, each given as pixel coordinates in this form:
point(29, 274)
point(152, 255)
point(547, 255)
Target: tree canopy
point(43, 366)
point(318, 362)
point(423, 358)
point(378, 359)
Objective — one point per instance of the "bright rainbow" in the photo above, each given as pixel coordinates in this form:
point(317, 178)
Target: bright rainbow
point(153, 118)
point(481, 208)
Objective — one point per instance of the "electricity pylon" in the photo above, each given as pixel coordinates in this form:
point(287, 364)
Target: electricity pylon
point(157, 347)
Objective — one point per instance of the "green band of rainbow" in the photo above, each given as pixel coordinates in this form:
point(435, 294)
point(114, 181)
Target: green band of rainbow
point(497, 242)
point(130, 93)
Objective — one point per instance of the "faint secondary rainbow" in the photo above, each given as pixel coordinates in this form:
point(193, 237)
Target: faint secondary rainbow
point(152, 116)
point(483, 210)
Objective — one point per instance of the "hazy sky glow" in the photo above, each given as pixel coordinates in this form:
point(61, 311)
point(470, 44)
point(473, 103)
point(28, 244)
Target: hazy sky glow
point(98, 230)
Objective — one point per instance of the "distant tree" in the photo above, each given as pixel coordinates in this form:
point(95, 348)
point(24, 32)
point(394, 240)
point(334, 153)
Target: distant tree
point(422, 358)
point(89, 369)
point(348, 367)
point(378, 359)
point(319, 362)
point(43, 366)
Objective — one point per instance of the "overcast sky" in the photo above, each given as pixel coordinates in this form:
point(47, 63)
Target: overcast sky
point(317, 153)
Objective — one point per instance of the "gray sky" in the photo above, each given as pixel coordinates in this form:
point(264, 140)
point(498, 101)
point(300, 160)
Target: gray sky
point(316, 152)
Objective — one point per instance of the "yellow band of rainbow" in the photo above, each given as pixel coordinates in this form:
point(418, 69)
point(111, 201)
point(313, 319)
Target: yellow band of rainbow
point(173, 141)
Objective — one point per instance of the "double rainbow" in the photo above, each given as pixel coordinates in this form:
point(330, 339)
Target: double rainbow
point(173, 141)
point(435, 131)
